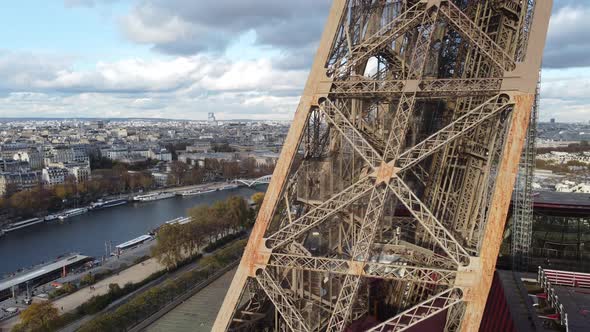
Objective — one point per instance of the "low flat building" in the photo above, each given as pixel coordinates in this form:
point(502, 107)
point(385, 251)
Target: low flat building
point(40, 275)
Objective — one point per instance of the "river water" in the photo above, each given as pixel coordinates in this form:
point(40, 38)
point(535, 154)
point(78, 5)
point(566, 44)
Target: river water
point(87, 233)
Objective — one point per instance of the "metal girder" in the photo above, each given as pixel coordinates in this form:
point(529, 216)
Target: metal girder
point(343, 307)
point(399, 126)
point(351, 134)
point(393, 30)
point(387, 271)
point(252, 311)
point(366, 233)
point(363, 87)
point(421, 312)
point(320, 213)
point(468, 29)
point(418, 256)
point(467, 87)
point(283, 302)
point(395, 144)
point(409, 273)
point(360, 252)
point(437, 231)
point(454, 130)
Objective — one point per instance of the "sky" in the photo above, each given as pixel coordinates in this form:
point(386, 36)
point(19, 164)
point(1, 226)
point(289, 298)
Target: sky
point(245, 59)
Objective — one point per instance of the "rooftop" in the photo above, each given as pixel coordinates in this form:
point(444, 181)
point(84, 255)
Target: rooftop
point(41, 271)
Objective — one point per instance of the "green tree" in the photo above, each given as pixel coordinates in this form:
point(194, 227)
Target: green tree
point(192, 238)
point(220, 219)
point(237, 211)
point(202, 220)
point(168, 248)
point(146, 180)
point(178, 172)
point(38, 317)
point(88, 279)
point(257, 198)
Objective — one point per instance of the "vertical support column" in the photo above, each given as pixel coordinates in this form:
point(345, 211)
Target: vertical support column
point(478, 294)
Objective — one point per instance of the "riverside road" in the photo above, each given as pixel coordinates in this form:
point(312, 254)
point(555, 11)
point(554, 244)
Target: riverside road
point(88, 233)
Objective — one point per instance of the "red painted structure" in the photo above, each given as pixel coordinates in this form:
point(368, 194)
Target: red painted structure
point(497, 316)
point(568, 278)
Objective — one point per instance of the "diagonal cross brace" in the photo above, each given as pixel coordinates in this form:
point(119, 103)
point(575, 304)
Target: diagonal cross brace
point(393, 30)
point(421, 312)
point(283, 303)
point(438, 231)
point(452, 131)
point(320, 213)
point(468, 29)
point(351, 134)
point(407, 159)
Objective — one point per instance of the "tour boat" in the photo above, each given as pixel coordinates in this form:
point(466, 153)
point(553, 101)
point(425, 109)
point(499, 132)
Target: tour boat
point(73, 212)
point(22, 224)
point(153, 197)
point(107, 204)
point(196, 192)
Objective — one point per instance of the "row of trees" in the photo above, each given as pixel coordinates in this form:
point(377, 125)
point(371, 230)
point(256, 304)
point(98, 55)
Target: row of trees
point(44, 316)
point(182, 174)
point(176, 242)
point(42, 200)
point(559, 168)
point(583, 146)
point(149, 302)
point(120, 179)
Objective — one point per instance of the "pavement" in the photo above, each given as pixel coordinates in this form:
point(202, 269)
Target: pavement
point(198, 313)
point(128, 258)
point(576, 303)
point(134, 274)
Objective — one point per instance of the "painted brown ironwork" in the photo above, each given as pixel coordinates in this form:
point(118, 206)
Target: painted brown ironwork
point(397, 171)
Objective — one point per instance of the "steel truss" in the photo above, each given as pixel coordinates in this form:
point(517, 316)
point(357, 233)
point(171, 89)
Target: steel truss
point(394, 182)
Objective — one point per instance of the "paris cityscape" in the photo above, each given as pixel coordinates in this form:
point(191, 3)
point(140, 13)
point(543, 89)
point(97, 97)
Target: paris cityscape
point(331, 165)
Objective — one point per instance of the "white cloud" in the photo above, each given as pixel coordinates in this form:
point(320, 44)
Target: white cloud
point(568, 41)
point(180, 87)
point(168, 30)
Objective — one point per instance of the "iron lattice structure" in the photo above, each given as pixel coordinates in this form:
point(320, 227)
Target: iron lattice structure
point(522, 215)
point(391, 194)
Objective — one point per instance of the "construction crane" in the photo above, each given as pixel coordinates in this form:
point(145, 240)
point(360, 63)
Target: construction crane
point(387, 206)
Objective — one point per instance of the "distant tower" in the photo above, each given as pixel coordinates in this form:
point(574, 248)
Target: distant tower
point(211, 118)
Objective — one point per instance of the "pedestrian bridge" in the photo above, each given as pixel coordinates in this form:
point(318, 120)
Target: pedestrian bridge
point(253, 182)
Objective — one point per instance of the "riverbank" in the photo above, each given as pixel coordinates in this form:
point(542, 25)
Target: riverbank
point(147, 196)
point(91, 233)
point(75, 306)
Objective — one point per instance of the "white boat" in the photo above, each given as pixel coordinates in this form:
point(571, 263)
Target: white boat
point(51, 217)
point(136, 241)
point(22, 224)
point(153, 197)
point(196, 192)
point(229, 186)
point(73, 212)
point(179, 220)
point(107, 204)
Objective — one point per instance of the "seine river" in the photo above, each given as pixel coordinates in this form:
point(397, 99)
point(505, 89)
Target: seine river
point(87, 233)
